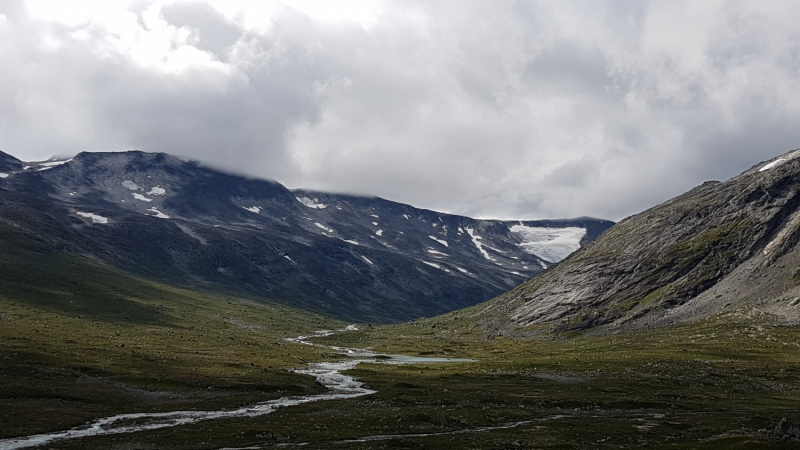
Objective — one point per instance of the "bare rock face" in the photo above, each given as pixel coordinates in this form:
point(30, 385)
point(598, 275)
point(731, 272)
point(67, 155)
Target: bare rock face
point(719, 247)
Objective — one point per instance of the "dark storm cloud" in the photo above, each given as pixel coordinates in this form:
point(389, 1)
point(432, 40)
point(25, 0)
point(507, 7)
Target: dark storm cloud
point(506, 109)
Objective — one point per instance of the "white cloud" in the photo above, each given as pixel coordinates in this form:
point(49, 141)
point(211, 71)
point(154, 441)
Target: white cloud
point(504, 109)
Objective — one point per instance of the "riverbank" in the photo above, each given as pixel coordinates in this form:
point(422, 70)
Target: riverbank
point(327, 374)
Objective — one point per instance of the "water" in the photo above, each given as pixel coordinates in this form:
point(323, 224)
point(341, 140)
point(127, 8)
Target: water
point(373, 357)
point(328, 374)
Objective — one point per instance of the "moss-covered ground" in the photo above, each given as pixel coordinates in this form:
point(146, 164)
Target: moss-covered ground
point(712, 384)
point(80, 341)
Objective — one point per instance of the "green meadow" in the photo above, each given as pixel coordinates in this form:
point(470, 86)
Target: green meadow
point(80, 341)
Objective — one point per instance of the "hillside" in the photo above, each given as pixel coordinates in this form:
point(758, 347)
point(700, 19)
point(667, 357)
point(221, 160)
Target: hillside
point(356, 258)
point(721, 247)
point(82, 340)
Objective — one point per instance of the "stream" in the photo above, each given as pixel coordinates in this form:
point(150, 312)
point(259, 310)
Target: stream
point(328, 374)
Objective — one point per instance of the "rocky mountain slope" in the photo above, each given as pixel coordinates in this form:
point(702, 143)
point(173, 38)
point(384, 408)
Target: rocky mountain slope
point(721, 247)
point(357, 258)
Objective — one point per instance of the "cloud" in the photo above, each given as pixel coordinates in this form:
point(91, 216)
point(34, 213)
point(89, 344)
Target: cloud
point(502, 109)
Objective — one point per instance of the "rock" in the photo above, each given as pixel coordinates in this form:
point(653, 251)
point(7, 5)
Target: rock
point(785, 431)
point(719, 245)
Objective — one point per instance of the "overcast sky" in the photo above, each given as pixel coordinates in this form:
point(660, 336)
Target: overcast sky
point(494, 109)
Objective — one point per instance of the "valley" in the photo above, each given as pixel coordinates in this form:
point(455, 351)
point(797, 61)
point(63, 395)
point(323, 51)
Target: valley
point(399, 225)
point(676, 328)
point(721, 383)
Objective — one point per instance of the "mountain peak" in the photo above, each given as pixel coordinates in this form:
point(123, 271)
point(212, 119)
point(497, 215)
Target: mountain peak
point(9, 164)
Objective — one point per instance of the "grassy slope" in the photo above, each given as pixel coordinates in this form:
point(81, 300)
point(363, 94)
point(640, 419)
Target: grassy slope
point(80, 340)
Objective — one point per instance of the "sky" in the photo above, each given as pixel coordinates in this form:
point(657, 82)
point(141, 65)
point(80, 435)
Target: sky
point(492, 109)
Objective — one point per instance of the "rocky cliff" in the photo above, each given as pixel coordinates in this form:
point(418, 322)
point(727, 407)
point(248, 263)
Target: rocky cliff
point(720, 247)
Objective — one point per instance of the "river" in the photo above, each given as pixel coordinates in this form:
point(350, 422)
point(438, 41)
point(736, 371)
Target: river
point(328, 374)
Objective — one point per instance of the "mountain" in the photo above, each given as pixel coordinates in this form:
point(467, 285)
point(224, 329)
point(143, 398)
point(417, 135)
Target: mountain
point(357, 258)
point(719, 248)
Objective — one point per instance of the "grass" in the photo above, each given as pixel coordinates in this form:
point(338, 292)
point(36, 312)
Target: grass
point(79, 340)
point(713, 384)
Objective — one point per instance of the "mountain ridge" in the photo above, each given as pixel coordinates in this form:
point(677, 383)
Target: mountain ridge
point(351, 257)
point(719, 248)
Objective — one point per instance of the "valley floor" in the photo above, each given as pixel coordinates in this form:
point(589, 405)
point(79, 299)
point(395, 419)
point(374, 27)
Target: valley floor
point(81, 341)
point(725, 383)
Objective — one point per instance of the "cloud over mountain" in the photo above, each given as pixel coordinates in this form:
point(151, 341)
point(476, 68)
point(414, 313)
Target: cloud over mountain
point(503, 109)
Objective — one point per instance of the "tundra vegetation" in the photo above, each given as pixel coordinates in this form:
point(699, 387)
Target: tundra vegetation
point(79, 341)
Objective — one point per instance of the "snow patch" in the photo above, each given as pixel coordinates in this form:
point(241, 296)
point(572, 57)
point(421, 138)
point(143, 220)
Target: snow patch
point(550, 244)
point(475, 240)
point(287, 257)
point(367, 260)
point(775, 163)
point(95, 218)
point(375, 216)
point(55, 163)
point(329, 230)
point(130, 185)
point(779, 161)
point(517, 273)
point(351, 242)
point(463, 270)
point(3, 175)
point(157, 191)
point(311, 203)
point(253, 209)
point(379, 232)
point(406, 216)
point(441, 241)
point(141, 197)
point(158, 213)
point(432, 264)
point(375, 223)
point(432, 251)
